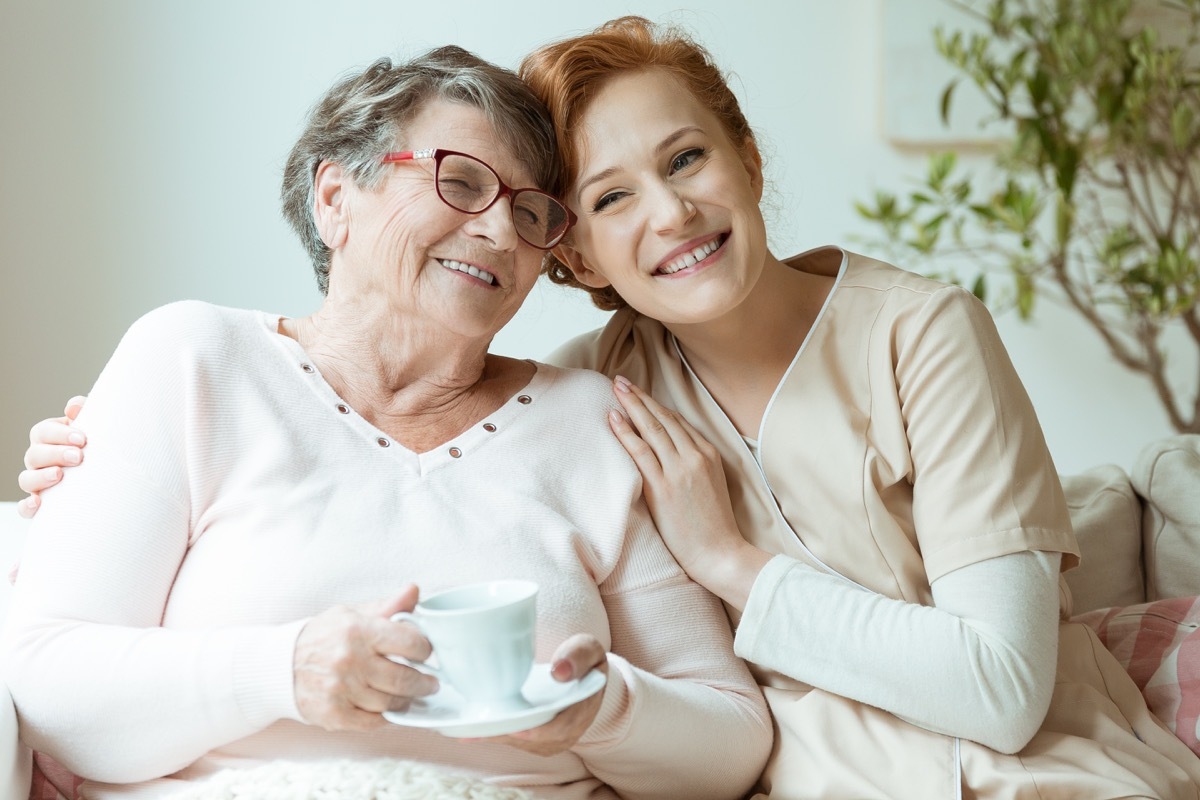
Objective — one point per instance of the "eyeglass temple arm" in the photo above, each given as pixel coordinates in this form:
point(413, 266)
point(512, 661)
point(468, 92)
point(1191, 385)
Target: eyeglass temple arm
point(406, 155)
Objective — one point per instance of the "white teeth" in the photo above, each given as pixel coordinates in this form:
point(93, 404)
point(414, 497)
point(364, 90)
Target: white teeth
point(467, 268)
point(690, 259)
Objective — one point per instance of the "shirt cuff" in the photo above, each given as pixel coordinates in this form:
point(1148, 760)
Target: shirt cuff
point(758, 604)
point(264, 673)
point(616, 709)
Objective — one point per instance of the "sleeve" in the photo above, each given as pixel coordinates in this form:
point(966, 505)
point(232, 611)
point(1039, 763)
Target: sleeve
point(577, 353)
point(980, 664)
point(99, 683)
point(609, 350)
point(682, 716)
point(983, 481)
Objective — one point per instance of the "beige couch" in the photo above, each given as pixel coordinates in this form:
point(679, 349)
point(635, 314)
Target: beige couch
point(1139, 532)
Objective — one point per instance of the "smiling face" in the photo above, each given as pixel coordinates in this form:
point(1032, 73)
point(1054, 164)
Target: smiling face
point(398, 248)
point(668, 206)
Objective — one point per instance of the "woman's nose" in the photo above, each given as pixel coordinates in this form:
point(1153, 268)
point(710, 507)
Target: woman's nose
point(495, 224)
point(670, 208)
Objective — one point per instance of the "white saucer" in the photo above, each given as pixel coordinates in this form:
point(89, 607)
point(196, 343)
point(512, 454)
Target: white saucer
point(445, 711)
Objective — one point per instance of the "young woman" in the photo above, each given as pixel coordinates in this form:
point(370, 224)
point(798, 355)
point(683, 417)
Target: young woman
point(841, 450)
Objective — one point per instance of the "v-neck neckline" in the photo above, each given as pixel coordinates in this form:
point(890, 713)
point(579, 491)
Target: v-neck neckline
point(762, 425)
point(458, 448)
point(755, 452)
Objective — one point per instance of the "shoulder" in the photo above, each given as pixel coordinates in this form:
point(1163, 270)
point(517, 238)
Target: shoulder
point(898, 298)
point(179, 338)
point(189, 320)
point(871, 274)
point(592, 350)
point(624, 346)
point(585, 389)
point(575, 408)
point(578, 352)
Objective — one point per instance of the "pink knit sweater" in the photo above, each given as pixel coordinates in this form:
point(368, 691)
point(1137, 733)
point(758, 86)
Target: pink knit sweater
point(225, 499)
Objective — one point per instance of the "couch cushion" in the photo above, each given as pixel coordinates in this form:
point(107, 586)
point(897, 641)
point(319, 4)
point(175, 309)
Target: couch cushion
point(1167, 475)
point(1158, 644)
point(1107, 516)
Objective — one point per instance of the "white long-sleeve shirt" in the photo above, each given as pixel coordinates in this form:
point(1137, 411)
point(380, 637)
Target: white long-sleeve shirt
point(979, 663)
point(228, 495)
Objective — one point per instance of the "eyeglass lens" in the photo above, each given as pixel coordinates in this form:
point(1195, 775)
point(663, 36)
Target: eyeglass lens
point(470, 185)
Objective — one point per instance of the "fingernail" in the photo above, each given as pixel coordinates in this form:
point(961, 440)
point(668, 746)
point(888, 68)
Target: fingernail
point(71, 456)
point(615, 417)
point(76, 438)
point(562, 670)
point(622, 383)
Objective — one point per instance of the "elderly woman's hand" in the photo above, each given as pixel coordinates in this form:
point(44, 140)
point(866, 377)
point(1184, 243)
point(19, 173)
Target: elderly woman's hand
point(53, 444)
point(344, 679)
point(573, 659)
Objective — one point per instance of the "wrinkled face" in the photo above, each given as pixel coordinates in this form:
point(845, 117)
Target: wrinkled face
point(402, 246)
point(668, 207)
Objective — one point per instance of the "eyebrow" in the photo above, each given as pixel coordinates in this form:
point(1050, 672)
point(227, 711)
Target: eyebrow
point(667, 142)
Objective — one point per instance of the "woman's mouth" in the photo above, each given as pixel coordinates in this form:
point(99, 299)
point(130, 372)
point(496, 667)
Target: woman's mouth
point(693, 256)
point(474, 272)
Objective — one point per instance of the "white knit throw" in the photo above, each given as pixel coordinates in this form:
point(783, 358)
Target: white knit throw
point(382, 779)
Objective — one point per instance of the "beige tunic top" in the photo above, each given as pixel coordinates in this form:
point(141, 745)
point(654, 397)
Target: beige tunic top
point(900, 446)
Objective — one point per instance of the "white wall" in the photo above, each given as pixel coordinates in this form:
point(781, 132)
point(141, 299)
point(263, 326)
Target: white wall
point(141, 144)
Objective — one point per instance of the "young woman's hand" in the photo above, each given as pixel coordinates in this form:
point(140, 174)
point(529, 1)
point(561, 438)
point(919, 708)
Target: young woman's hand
point(53, 445)
point(684, 484)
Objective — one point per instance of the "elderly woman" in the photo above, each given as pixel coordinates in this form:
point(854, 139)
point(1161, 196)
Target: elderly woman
point(261, 494)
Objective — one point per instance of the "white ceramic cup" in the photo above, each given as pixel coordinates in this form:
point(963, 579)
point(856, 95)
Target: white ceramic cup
point(483, 636)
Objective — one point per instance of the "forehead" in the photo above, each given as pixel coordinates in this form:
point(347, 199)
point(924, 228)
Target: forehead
point(451, 125)
point(633, 112)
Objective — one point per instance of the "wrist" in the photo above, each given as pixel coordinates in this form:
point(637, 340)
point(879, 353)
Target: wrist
point(730, 572)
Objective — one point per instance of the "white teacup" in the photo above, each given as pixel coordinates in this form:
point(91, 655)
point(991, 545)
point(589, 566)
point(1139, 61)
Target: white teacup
point(483, 636)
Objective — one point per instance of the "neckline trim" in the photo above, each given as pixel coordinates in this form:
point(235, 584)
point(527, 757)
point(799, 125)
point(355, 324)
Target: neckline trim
point(457, 448)
point(837, 282)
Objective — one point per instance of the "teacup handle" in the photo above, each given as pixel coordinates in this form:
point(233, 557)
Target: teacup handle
point(405, 616)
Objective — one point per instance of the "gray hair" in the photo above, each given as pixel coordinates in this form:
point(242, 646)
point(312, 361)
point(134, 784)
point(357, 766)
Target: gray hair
point(363, 117)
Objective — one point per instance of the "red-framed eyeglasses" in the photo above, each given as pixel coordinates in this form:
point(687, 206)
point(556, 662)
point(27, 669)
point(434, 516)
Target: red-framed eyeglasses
point(471, 186)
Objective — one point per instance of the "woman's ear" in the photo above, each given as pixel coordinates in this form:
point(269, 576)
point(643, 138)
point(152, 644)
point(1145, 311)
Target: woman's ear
point(329, 204)
point(752, 160)
point(579, 267)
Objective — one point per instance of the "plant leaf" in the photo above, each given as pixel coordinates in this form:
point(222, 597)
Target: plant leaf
point(947, 95)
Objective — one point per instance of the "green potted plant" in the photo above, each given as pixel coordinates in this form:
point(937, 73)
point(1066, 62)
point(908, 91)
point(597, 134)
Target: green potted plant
point(1095, 199)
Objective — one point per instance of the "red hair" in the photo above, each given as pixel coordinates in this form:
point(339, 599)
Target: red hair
point(568, 74)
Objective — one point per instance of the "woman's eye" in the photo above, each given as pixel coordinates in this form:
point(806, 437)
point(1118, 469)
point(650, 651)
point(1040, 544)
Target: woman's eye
point(686, 159)
point(607, 200)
